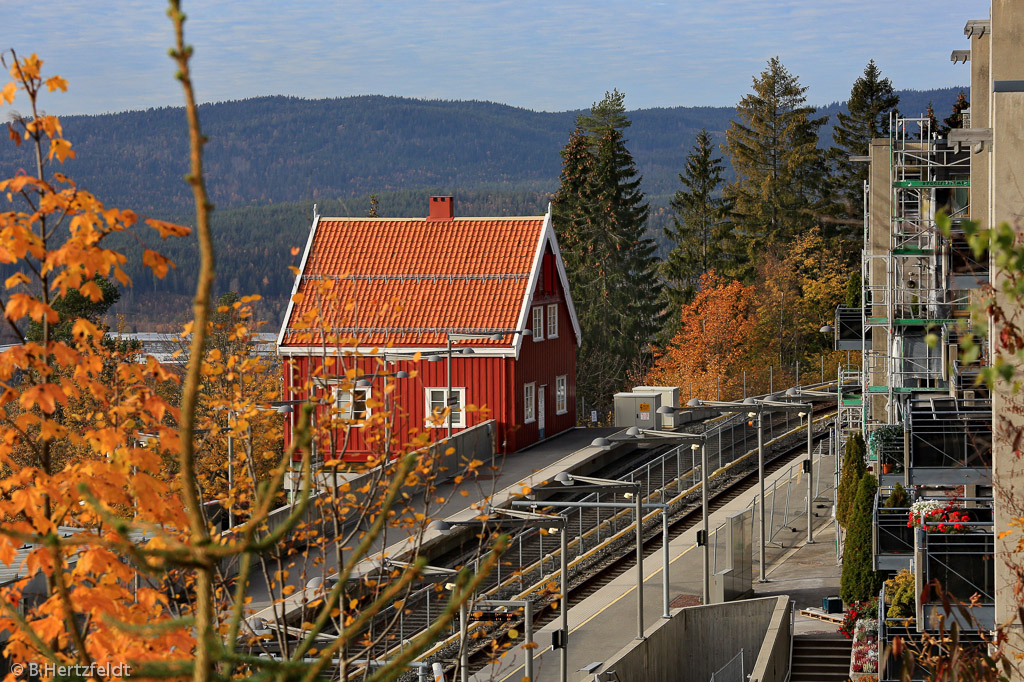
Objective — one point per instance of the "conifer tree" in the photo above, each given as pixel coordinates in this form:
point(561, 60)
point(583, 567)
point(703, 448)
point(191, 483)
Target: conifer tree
point(859, 580)
point(872, 99)
point(601, 216)
point(853, 470)
point(699, 231)
point(773, 146)
point(956, 119)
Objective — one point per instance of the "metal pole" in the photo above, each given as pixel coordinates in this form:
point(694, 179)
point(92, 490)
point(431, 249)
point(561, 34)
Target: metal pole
point(231, 474)
point(463, 644)
point(810, 468)
point(760, 478)
point(639, 565)
point(704, 522)
point(563, 661)
point(718, 390)
point(744, 384)
point(771, 378)
point(822, 368)
point(528, 627)
point(664, 562)
point(448, 392)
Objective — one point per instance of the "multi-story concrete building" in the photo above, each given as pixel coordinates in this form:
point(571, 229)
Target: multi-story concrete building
point(929, 424)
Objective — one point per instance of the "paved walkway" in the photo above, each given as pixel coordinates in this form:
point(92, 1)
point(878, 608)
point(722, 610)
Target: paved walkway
point(603, 623)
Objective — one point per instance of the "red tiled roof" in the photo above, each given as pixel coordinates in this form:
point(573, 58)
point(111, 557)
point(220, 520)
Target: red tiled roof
point(403, 282)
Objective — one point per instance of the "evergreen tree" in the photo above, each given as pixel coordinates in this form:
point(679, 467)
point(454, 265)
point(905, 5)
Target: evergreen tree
point(956, 119)
point(699, 232)
point(859, 581)
point(601, 215)
point(933, 123)
point(773, 146)
point(872, 99)
point(74, 305)
point(853, 470)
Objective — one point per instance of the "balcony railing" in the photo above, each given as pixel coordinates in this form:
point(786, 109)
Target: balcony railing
point(893, 539)
point(849, 328)
point(950, 441)
point(963, 563)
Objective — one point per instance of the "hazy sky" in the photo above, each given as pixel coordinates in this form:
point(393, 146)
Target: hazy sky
point(548, 55)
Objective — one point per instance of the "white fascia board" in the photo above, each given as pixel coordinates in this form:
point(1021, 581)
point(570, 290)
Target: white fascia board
point(377, 351)
point(531, 284)
point(298, 280)
point(563, 277)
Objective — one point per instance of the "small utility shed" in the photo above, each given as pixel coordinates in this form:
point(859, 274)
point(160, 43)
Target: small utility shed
point(494, 290)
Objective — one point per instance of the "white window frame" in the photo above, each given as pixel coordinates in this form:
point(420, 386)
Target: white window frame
point(344, 405)
point(553, 321)
point(538, 323)
point(561, 394)
point(530, 402)
point(457, 416)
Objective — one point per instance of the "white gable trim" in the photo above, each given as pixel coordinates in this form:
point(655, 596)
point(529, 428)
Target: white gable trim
point(531, 284)
point(553, 238)
point(547, 236)
point(298, 279)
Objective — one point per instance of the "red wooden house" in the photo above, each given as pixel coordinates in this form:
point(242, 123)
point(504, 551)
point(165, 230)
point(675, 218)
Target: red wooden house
point(372, 292)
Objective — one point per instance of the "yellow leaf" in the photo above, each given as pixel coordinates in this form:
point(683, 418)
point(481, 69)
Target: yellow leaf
point(57, 82)
point(167, 229)
point(1004, 533)
point(157, 263)
point(60, 148)
point(8, 92)
point(513, 633)
point(16, 279)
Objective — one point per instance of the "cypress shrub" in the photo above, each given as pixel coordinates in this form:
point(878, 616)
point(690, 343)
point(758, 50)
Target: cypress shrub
point(898, 498)
point(859, 581)
point(854, 469)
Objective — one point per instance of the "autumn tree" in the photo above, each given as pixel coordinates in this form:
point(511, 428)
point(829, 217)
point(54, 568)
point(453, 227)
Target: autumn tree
point(699, 232)
point(113, 531)
point(773, 147)
point(600, 214)
point(872, 100)
point(715, 341)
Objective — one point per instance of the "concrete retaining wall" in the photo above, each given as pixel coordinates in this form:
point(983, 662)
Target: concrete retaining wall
point(697, 641)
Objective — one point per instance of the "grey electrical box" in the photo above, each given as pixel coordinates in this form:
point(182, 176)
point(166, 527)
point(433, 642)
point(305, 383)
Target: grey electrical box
point(638, 409)
point(669, 397)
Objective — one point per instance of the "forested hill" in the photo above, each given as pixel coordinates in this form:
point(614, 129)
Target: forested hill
point(282, 149)
point(269, 159)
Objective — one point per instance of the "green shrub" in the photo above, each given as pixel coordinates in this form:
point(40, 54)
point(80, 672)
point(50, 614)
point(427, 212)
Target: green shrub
point(853, 470)
point(859, 580)
point(900, 591)
point(898, 497)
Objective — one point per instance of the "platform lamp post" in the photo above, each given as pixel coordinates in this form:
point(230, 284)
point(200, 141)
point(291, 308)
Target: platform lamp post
point(522, 518)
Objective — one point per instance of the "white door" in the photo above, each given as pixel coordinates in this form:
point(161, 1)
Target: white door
point(540, 408)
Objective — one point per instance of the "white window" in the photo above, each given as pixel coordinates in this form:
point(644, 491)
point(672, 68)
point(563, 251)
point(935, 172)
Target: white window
point(538, 323)
point(529, 403)
point(351, 404)
point(561, 389)
point(435, 406)
point(553, 321)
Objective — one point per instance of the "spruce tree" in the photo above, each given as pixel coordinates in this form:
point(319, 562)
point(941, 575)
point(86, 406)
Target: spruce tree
point(956, 119)
point(853, 470)
point(699, 231)
point(859, 580)
point(872, 99)
point(601, 214)
point(773, 146)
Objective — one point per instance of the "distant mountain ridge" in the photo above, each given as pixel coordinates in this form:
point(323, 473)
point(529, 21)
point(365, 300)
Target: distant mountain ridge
point(270, 159)
point(279, 149)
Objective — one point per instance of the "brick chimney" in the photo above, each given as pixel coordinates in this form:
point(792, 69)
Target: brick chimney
point(442, 208)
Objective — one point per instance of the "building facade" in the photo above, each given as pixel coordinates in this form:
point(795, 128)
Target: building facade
point(405, 316)
point(930, 424)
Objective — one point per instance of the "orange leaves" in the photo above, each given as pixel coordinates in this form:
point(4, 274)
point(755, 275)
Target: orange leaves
point(44, 396)
point(167, 229)
point(157, 263)
point(7, 94)
point(57, 83)
point(60, 148)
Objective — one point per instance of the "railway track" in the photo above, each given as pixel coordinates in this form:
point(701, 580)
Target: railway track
point(534, 555)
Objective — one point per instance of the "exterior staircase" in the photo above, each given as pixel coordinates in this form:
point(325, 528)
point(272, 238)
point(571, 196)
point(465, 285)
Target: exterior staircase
point(818, 658)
